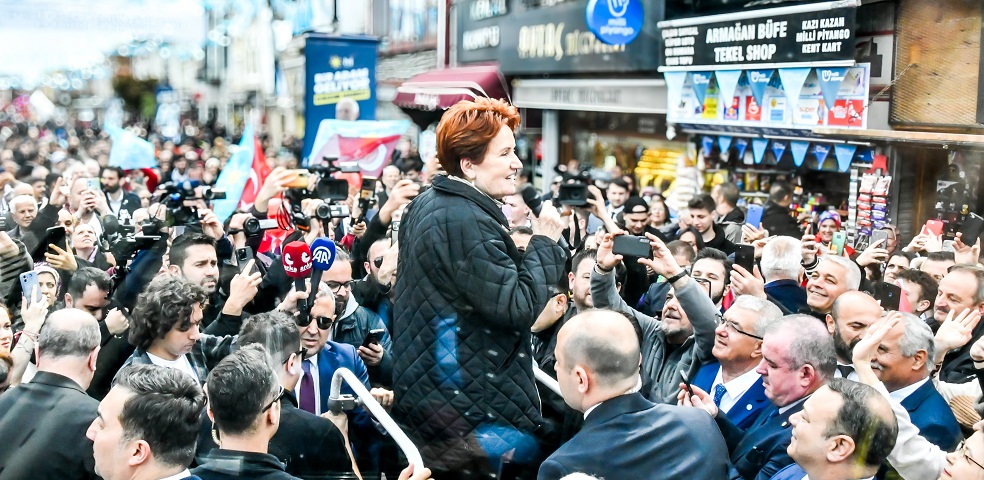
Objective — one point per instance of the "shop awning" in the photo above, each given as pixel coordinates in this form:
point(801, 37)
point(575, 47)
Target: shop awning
point(440, 89)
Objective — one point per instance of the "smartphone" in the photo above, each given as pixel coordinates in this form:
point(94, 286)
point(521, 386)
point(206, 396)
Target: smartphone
point(889, 296)
point(971, 229)
point(29, 282)
point(374, 336)
point(687, 383)
point(55, 236)
point(243, 256)
point(745, 256)
point(300, 180)
point(754, 216)
point(935, 227)
point(879, 235)
point(837, 244)
point(368, 188)
point(93, 184)
point(631, 246)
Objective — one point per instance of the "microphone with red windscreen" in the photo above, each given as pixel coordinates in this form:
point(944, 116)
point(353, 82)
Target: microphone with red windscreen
point(297, 264)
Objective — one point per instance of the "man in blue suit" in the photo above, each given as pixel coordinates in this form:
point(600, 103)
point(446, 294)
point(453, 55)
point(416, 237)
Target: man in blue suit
point(735, 386)
point(904, 363)
point(781, 267)
point(624, 435)
point(797, 359)
point(845, 431)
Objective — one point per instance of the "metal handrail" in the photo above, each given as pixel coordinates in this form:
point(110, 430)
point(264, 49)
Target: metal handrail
point(546, 379)
point(409, 449)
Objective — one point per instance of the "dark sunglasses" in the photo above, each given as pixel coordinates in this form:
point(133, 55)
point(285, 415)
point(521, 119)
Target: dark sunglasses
point(324, 323)
point(280, 396)
point(378, 262)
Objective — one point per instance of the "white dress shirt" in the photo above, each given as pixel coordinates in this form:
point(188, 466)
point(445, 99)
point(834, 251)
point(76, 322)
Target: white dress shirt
point(177, 476)
point(904, 392)
point(735, 388)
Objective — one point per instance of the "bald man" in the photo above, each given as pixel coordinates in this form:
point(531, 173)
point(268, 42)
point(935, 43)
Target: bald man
point(849, 318)
point(44, 422)
point(624, 435)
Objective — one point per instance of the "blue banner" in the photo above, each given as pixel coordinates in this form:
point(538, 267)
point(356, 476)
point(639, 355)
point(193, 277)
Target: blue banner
point(792, 83)
point(707, 145)
point(674, 87)
point(845, 154)
point(759, 145)
point(757, 81)
point(337, 68)
point(821, 151)
point(129, 151)
point(741, 144)
point(727, 83)
point(830, 82)
point(724, 143)
point(615, 22)
point(778, 148)
point(700, 82)
point(798, 148)
point(235, 175)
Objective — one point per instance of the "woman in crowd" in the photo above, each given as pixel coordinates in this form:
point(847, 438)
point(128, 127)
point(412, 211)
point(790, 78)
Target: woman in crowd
point(659, 213)
point(50, 282)
point(828, 224)
point(86, 244)
point(465, 299)
point(692, 237)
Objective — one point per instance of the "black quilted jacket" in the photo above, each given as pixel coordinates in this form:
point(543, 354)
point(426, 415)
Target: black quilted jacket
point(465, 301)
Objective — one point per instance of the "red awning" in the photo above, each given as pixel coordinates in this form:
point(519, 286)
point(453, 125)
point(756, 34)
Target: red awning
point(440, 89)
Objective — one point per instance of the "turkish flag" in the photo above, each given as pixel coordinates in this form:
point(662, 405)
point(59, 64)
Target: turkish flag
point(257, 175)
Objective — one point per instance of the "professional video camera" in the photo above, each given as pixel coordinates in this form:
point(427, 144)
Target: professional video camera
point(574, 187)
point(125, 240)
point(329, 189)
point(181, 199)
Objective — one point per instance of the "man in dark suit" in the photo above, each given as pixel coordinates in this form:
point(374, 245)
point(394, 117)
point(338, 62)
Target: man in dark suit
point(776, 216)
point(797, 359)
point(845, 431)
point(781, 266)
point(43, 423)
point(904, 363)
point(310, 446)
point(117, 198)
point(735, 386)
point(624, 435)
point(147, 425)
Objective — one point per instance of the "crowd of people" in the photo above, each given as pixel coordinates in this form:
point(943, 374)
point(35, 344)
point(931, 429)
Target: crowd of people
point(145, 337)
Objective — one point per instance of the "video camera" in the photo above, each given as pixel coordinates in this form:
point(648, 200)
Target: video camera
point(574, 187)
point(180, 199)
point(329, 189)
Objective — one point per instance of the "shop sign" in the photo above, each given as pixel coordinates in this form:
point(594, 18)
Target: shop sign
point(635, 96)
point(800, 38)
point(615, 22)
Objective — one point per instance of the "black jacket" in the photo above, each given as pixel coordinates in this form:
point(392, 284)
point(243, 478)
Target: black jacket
point(465, 301)
point(777, 221)
point(229, 464)
point(43, 425)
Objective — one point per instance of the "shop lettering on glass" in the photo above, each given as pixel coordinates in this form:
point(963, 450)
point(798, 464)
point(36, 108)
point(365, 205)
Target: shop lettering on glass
point(549, 41)
point(331, 87)
point(795, 38)
point(586, 96)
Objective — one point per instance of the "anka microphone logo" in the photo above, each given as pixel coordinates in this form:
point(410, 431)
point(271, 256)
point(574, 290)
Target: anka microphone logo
point(618, 7)
point(322, 255)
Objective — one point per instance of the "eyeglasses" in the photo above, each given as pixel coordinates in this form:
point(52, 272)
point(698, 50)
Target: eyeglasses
point(299, 353)
point(962, 449)
point(336, 287)
point(378, 262)
point(734, 327)
point(280, 396)
point(324, 323)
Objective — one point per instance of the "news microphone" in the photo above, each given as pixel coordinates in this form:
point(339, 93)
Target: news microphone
point(323, 251)
point(297, 265)
point(531, 199)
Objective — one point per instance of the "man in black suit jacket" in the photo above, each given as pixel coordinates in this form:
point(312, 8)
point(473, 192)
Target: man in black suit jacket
point(43, 423)
point(624, 435)
point(117, 198)
point(310, 446)
point(797, 359)
point(147, 425)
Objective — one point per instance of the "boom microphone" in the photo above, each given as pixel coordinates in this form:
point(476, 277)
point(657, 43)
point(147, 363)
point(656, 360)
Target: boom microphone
point(323, 250)
point(297, 265)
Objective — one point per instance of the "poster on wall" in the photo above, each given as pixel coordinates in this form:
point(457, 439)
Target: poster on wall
point(779, 109)
point(337, 68)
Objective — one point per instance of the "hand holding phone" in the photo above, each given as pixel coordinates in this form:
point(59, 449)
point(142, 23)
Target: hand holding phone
point(632, 246)
point(935, 227)
point(373, 337)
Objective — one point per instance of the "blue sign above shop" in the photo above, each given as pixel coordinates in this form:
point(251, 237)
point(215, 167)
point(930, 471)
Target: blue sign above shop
point(615, 22)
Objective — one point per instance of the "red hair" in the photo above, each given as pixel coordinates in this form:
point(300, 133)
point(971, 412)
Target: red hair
point(467, 128)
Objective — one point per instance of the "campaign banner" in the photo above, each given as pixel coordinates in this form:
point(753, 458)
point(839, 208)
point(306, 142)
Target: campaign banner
point(771, 37)
point(830, 80)
point(844, 154)
point(235, 175)
point(707, 145)
point(792, 82)
point(757, 81)
point(724, 143)
point(129, 151)
point(821, 151)
point(741, 144)
point(798, 149)
point(369, 143)
point(727, 83)
point(759, 145)
point(778, 148)
point(700, 81)
point(337, 68)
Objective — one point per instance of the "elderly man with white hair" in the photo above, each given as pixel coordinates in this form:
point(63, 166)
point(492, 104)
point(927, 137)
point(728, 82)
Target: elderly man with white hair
point(23, 211)
point(781, 270)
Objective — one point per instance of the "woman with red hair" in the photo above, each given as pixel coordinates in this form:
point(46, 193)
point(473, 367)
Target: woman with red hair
point(466, 299)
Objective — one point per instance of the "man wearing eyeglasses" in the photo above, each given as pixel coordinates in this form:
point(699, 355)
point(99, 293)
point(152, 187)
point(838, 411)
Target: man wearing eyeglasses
point(243, 401)
point(732, 380)
point(355, 322)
